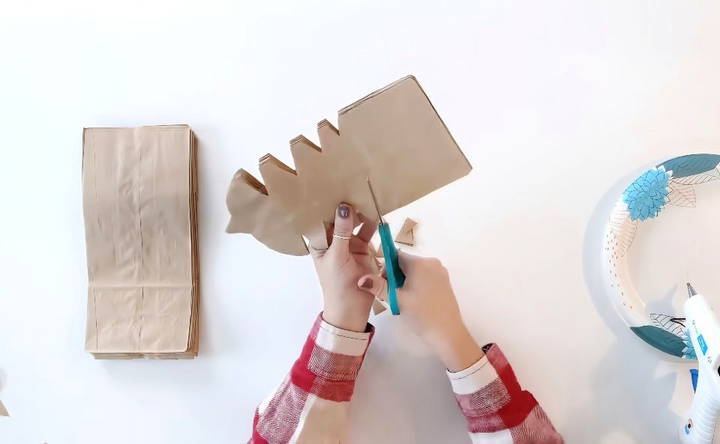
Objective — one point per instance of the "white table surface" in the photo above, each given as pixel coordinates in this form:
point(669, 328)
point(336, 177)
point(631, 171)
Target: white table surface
point(555, 103)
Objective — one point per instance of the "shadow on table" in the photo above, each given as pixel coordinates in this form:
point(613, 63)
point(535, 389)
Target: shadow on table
point(628, 398)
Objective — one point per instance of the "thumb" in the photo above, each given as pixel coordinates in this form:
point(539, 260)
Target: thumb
point(373, 284)
point(406, 260)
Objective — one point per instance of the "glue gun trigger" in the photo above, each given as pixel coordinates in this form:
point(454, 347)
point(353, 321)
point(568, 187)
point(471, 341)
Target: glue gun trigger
point(694, 378)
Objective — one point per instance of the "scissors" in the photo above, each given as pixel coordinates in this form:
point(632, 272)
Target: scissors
point(395, 276)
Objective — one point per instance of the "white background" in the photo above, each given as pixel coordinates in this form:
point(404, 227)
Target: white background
point(556, 104)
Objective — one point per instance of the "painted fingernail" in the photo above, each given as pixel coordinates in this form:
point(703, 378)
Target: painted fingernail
point(367, 284)
point(343, 211)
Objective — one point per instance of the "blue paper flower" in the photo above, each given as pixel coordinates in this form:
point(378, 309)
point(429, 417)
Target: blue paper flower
point(648, 194)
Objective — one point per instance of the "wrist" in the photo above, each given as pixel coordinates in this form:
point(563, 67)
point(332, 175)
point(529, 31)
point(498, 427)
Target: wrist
point(456, 348)
point(345, 321)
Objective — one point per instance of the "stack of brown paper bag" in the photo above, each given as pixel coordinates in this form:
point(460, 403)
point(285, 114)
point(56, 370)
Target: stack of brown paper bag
point(140, 207)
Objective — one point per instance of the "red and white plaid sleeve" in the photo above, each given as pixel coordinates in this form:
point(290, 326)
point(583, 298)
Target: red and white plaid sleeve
point(311, 404)
point(497, 409)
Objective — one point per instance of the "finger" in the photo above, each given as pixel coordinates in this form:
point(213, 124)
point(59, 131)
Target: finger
point(343, 231)
point(378, 263)
point(374, 285)
point(317, 248)
point(329, 232)
point(367, 230)
point(406, 260)
point(316, 253)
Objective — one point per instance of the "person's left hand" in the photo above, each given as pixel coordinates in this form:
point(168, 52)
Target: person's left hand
point(341, 267)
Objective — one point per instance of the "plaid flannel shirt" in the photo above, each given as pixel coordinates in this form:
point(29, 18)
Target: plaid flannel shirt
point(311, 404)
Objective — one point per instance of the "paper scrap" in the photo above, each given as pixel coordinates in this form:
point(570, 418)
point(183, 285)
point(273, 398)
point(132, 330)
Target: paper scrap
point(406, 235)
point(378, 306)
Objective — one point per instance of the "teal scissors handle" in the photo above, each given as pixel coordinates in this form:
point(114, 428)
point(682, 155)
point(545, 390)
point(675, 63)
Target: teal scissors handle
point(395, 276)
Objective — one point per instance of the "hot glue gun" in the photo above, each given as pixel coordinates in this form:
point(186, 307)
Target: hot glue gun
point(703, 330)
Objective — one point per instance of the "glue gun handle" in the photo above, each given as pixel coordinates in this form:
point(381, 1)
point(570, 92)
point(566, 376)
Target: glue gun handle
point(703, 414)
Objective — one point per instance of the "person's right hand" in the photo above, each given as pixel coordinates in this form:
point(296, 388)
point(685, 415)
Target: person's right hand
point(428, 303)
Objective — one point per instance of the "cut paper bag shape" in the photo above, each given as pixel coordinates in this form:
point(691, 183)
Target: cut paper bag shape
point(394, 137)
point(140, 208)
point(3, 410)
point(406, 235)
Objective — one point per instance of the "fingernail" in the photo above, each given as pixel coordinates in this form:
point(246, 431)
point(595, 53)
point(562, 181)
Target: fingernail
point(343, 211)
point(367, 284)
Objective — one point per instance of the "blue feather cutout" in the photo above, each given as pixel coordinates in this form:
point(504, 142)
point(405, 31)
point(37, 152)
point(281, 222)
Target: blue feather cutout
point(691, 164)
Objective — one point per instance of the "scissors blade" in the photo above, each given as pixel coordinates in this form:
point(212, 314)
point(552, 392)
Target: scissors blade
point(377, 207)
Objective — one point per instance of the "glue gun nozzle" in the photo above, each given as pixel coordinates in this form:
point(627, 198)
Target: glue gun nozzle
point(691, 290)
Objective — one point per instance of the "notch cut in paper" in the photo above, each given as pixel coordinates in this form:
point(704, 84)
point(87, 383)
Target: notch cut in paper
point(393, 137)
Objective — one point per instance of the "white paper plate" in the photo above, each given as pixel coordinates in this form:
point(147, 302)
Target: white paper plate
point(674, 182)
